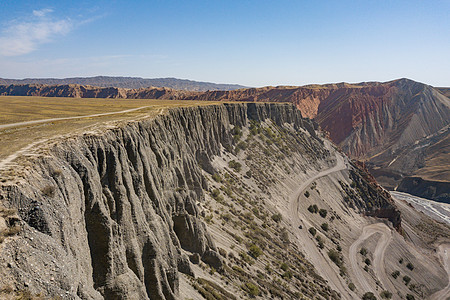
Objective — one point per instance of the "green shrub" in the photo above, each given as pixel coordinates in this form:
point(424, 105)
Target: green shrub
point(284, 267)
point(363, 251)
point(335, 257)
point(277, 217)
point(400, 261)
point(339, 248)
point(386, 295)
point(395, 274)
point(215, 193)
point(312, 230)
point(323, 213)
point(324, 226)
point(306, 194)
point(352, 286)
point(251, 289)
point(406, 279)
point(255, 251)
point(313, 209)
point(369, 296)
point(217, 177)
point(410, 266)
point(235, 165)
point(367, 261)
point(410, 297)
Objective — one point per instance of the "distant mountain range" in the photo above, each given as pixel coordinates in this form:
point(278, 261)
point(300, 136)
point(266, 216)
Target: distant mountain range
point(128, 83)
point(399, 128)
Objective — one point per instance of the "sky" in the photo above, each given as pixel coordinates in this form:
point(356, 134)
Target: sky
point(253, 43)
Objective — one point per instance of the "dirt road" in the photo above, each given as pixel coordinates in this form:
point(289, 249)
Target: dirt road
point(378, 257)
point(444, 254)
point(5, 126)
point(297, 218)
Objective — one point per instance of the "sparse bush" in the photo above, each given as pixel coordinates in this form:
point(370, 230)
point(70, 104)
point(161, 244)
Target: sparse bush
point(313, 209)
point(369, 296)
point(363, 251)
point(255, 251)
point(235, 165)
point(217, 177)
point(215, 193)
point(324, 226)
point(395, 274)
point(366, 268)
point(312, 230)
point(386, 295)
point(284, 267)
point(406, 279)
point(212, 271)
point(323, 213)
point(400, 261)
point(367, 261)
point(352, 286)
point(208, 219)
point(410, 297)
point(251, 289)
point(339, 248)
point(306, 194)
point(277, 217)
point(410, 266)
point(248, 174)
point(335, 257)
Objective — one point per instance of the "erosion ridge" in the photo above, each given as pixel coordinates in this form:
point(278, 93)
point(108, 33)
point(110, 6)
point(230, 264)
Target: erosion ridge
point(122, 213)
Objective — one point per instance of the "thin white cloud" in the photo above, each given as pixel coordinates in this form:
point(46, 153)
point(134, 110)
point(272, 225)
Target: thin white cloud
point(23, 37)
point(42, 12)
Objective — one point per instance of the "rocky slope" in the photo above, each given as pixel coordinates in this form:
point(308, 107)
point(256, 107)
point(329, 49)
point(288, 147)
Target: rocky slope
point(127, 82)
point(203, 202)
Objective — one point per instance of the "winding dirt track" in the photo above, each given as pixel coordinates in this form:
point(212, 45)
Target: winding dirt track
point(297, 219)
point(5, 162)
point(33, 122)
point(378, 256)
point(444, 253)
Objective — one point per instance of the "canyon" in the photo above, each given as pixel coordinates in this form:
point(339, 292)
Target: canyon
point(219, 201)
point(399, 128)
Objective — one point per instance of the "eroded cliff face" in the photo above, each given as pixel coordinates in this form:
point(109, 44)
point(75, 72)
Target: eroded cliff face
point(115, 214)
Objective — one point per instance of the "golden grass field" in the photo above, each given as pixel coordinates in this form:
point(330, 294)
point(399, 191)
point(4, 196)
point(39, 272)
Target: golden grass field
point(15, 109)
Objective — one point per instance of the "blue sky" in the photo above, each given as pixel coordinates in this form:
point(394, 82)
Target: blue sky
point(253, 43)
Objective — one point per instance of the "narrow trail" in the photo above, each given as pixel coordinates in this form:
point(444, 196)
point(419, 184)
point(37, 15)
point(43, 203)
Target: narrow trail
point(298, 219)
point(378, 256)
point(444, 254)
point(33, 122)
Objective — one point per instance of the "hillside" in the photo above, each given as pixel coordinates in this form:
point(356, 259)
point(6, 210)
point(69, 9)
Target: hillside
point(127, 82)
point(225, 201)
point(399, 127)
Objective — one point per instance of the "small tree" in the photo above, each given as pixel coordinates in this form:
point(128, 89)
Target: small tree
point(386, 295)
point(410, 266)
point(395, 274)
point(324, 226)
point(255, 251)
point(312, 230)
point(323, 213)
point(363, 251)
point(406, 279)
point(369, 296)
